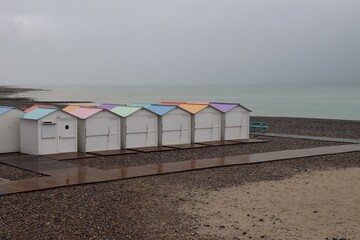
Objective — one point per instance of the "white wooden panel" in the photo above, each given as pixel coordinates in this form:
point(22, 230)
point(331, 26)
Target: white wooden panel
point(185, 121)
point(136, 124)
point(232, 133)
point(172, 122)
point(114, 125)
point(136, 140)
point(244, 132)
point(215, 134)
point(151, 123)
point(171, 137)
point(244, 119)
point(216, 120)
point(202, 135)
point(96, 143)
point(97, 126)
point(185, 136)
point(233, 119)
point(48, 130)
point(114, 142)
point(67, 130)
point(114, 137)
point(203, 120)
point(48, 146)
point(151, 139)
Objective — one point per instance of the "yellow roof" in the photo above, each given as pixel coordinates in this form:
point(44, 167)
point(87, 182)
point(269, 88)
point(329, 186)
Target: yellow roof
point(193, 108)
point(70, 108)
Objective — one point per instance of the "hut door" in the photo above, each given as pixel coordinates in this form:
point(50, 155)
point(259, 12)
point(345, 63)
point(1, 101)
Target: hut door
point(151, 131)
point(97, 131)
point(244, 133)
point(172, 129)
point(114, 134)
point(232, 125)
point(136, 131)
point(203, 127)
point(67, 135)
point(215, 126)
point(185, 131)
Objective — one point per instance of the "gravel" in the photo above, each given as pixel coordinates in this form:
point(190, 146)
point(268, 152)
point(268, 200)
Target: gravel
point(147, 208)
point(273, 144)
point(312, 126)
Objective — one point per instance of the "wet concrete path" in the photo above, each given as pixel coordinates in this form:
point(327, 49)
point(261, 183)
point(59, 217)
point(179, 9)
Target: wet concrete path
point(318, 138)
point(61, 174)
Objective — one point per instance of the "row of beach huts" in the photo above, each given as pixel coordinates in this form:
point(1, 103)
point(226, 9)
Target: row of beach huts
point(43, 129)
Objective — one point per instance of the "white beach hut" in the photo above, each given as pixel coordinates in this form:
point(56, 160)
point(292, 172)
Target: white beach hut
point(48, 131)
point(98, 129)
point(206, 122)
point(9, 129)
point(139, 127)
point(174, 124)
point(235, 120)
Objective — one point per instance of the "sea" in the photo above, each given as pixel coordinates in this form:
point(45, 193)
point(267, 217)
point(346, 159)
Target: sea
point(330, 101)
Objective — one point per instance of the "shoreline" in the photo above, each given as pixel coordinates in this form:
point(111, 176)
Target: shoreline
point(6, 91)
point(5, 100)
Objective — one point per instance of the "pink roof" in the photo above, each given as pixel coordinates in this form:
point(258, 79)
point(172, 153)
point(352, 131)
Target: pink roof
point(85, 112)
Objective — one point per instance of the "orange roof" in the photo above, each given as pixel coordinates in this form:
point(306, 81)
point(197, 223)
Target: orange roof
point(70, 108)
point(193, 108)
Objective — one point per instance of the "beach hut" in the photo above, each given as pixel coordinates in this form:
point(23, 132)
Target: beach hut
point(47, 131)
point(139, 127)
point(98, 129)
point(9, 129)
point(174, 124)
point(235, 120)
point(206, 122)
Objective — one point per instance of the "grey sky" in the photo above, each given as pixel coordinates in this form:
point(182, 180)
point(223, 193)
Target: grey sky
point(179, 41)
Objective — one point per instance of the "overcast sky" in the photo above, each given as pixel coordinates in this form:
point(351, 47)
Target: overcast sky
point(179, 41)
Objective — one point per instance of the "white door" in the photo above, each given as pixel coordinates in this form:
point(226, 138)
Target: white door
point(67, 131)
point(97, 131)
point(151, 131)
point(185, 132)
point(244, 133)
point(176, 129)
point(114, 134)
point(207, 127)
point(136, 131)
point(232, 125)
point(216, 126)
point(171, 130)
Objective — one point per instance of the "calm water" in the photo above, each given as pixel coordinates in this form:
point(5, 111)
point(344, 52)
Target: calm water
point(333, 101)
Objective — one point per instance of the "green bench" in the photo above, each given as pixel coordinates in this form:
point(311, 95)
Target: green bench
point(258, 126)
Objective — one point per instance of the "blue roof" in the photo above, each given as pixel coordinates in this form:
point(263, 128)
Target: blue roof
point(5, 109)
point(137, 104)
point(38, 113)
point(159, 109)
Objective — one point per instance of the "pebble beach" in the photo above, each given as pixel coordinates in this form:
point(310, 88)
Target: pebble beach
point(304, 198)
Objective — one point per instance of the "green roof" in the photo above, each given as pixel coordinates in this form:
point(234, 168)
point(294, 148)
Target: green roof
point(124, 111)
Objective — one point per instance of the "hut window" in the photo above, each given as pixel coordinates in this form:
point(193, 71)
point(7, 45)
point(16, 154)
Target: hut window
point(48, 130)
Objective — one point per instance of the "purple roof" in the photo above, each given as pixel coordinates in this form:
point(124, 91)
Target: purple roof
point(224, 107)
point(108, 106)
